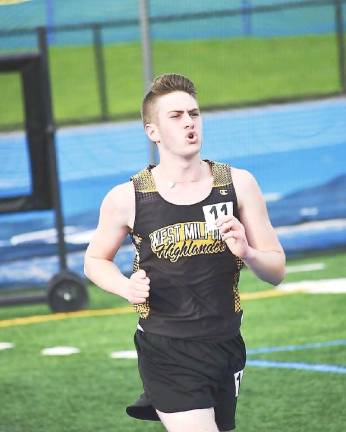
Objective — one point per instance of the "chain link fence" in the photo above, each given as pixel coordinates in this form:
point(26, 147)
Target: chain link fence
point(252, 53)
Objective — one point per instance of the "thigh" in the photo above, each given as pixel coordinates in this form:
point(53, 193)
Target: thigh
point(197, 420)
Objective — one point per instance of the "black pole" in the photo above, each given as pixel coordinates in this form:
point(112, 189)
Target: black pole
point(50, 132)
point(100, 71)
point(339, 28)
point(147, 63)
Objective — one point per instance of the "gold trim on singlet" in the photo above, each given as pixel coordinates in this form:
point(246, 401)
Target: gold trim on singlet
point(221, 173)
point(223, 177)
point(240, 265)
point(143, 309)
point(143, 181)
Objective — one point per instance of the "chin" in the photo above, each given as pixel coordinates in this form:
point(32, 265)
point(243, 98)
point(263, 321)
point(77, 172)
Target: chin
point(193, 150)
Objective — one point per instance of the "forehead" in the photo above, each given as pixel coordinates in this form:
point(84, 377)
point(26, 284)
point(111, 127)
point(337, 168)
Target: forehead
point(178, 100)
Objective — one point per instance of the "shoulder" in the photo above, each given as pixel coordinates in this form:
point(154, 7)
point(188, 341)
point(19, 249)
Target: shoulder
point(245, 184)
point(120, 194)
point(242, 177)
point(120, 200)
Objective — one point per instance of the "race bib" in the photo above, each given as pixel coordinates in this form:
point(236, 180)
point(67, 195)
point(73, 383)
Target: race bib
point(213, 211)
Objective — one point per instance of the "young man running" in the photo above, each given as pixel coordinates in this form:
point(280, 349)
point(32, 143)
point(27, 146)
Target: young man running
point(194, 223)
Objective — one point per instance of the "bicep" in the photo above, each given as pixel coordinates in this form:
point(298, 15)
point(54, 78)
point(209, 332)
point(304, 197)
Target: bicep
point(254, 216)
point(110, 232)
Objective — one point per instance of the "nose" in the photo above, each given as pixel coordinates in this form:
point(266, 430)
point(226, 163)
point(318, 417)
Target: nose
point(189, 123)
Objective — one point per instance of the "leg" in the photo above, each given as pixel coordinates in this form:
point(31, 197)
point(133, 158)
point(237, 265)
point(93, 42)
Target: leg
point(197, 420)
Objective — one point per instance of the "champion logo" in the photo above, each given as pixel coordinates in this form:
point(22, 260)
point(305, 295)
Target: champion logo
point(223, 191)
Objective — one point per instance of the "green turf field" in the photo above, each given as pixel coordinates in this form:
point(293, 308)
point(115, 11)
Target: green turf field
point(225, 72)
point(87, 392)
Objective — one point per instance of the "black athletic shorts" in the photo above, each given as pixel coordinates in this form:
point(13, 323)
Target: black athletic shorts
point(186, 374)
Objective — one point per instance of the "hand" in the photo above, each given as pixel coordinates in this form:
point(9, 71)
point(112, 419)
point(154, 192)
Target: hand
point(233, 233)
point(138, 288)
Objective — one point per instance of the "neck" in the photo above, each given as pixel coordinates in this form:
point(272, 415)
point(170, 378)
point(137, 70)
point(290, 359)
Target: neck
point(180, 170)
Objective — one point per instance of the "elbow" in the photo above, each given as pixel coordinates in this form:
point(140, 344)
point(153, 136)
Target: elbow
point(277, 282)
point(280, 276)
point(85, 271)
point(280, 271)
point(86, 267)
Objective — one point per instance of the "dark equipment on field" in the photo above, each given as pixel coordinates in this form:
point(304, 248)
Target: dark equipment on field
point(66, 290)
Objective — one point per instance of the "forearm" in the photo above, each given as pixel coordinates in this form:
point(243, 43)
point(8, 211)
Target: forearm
point(106, 275)
point(267, 265)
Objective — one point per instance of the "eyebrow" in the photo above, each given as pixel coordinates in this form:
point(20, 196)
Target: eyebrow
point(181, 111)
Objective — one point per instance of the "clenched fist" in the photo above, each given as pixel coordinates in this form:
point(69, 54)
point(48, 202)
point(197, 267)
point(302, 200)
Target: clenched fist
point(233, 234)
point(138, 287)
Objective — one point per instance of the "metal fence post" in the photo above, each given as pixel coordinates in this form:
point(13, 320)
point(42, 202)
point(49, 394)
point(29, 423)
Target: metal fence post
point(100, 71)
point(55, 188)
point(50, 20)
point(339, 32)
point(147, 60)
point(246, 5)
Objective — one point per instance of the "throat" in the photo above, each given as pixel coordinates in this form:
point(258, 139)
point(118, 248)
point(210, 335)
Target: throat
point(186, 194)
point(175, 179)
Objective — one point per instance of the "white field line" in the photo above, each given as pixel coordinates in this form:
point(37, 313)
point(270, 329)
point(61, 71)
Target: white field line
point(124, 354)
point(305, 267)
point(6, 345)
point(323, 286)
point(335, 224)
point(60, 351)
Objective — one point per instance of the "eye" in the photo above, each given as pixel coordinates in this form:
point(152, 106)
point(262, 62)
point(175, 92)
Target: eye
point(195, 114)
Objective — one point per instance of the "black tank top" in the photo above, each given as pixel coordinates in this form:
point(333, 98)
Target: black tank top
point(193, 274)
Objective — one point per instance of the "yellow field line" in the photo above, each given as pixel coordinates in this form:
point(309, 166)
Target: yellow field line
point(117, 311)
point(267, 294)
point(60, 316)
point(9, 2)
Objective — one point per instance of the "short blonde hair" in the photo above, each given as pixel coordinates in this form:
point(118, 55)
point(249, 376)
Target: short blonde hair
point(162, 85)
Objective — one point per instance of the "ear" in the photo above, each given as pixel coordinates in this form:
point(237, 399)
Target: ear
point(152, 132)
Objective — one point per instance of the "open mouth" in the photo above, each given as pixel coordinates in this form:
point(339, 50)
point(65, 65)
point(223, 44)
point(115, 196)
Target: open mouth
point(192, 137)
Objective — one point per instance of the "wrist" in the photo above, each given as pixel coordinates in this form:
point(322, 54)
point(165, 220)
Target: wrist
point(249, 255)
point(123, 284)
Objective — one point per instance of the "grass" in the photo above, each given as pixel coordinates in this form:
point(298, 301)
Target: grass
point(88, 392)
point(225, 72)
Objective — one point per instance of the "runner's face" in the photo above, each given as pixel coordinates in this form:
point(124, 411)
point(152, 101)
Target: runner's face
point(177, 128)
